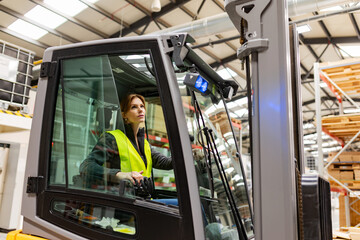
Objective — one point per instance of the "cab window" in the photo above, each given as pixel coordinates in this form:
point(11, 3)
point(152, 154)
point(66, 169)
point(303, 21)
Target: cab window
point(219, 170)
point(91, 140)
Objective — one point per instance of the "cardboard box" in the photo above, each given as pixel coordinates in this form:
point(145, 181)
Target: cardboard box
point(356, 156)
point(346, 175)
point(345, 157)
point(357, 174)
point(334, 173)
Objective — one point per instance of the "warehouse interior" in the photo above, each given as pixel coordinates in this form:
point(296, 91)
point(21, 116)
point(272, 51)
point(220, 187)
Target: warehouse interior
point(329, 52)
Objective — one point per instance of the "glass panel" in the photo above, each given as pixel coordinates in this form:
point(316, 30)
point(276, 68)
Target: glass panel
point(112, 137)
point(209, 113)
point(238, 111)
point(57, 160)
point(94, 216)
point(158, 138)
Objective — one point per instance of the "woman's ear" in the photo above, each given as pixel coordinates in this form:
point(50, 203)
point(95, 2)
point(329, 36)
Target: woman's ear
point(124, 116)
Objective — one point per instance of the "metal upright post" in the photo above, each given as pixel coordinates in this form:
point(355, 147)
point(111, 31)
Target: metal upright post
point(320, 164)
point(341, 108)
point(275, 205)
point(347, 210)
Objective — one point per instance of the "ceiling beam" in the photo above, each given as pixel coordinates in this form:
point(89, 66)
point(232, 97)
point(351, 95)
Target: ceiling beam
point(148, 13)
point(219, 4)
point(311, 50)
point(355, 25)
point(188, 12)
point(303, 67)
point(337, 40)
point(143, 21)
point(317, 60)
point(199, 9)
point(26, 19)
point(107, 14)
point(70, 19)
point(224, 61)
point(326, 15)
point(328, 35)
point(210, 54)
point(24, 38)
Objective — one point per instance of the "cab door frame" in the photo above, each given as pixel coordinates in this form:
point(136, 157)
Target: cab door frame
point(38, 220)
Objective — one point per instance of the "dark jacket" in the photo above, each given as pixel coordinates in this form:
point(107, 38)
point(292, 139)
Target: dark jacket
point(104, 158)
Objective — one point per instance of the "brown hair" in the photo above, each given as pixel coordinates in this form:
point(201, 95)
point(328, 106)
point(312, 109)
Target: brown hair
point(125, 103)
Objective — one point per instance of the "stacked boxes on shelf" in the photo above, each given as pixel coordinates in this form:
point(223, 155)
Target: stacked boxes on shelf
point(221, 122)
point(15, 76)
point(354, 217)
point(346, 167)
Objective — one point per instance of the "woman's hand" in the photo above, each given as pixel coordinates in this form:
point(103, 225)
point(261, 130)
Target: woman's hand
point(130, 176)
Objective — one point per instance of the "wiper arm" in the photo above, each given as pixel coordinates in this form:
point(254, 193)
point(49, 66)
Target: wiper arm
point(211, 140)
point(211, 147)
point(207, 155)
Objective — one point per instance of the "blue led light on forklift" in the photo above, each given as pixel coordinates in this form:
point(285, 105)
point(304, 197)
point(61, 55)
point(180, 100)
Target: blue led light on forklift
point(201, 84)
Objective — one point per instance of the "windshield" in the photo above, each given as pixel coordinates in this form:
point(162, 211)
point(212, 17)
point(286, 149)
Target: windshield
point(219, 172)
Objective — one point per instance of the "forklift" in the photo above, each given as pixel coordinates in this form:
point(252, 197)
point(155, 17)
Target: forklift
point(206, 193)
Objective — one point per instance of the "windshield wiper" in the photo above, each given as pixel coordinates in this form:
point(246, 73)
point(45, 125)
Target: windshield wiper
point(206, 154)
point(212, 148)
point(210, 137)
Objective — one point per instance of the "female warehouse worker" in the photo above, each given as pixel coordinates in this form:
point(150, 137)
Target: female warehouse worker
point(128, 155)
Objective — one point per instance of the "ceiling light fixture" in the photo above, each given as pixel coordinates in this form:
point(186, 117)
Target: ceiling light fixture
point(353, 50)
point(303, 28)
point(43, 16)
point(331, 9)
point(352, 110)
point(27, 29)
point(156, 6)
point(323, 85)
point(69, 7)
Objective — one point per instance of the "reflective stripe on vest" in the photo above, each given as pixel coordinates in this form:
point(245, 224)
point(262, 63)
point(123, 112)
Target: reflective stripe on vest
point(130, 159)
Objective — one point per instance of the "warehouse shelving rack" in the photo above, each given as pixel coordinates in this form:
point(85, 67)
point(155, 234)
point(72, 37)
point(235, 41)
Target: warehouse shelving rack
point(343, 79)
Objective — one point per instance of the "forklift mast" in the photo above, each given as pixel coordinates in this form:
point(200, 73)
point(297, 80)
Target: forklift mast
point(288, 204)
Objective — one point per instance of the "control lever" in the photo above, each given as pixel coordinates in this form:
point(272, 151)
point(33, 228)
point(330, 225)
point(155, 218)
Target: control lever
point(144, 188)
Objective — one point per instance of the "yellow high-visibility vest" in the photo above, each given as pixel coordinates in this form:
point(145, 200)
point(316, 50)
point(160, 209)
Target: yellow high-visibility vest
point(130, 159)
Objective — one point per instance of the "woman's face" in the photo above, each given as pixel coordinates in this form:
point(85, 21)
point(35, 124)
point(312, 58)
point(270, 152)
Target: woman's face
point(136, 113)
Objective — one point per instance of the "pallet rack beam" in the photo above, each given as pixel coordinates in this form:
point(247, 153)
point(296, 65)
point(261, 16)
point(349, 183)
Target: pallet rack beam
point(336, 86)
point(342, 150)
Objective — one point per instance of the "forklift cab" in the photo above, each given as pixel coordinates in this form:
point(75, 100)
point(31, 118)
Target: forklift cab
point(203, 196)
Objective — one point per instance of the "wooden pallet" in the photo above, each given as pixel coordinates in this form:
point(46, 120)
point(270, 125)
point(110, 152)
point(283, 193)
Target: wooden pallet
point(351, 184)
point(345, 74)
point(342, 126)
point(345, 166)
